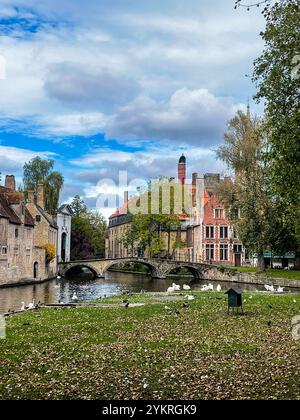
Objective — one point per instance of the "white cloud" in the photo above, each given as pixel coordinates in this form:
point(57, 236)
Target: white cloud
point(189, 116)
point(12, 158)
point(83, 124)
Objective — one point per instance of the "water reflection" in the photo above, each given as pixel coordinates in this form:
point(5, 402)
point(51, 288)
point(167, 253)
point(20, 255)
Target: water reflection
point(86, 288)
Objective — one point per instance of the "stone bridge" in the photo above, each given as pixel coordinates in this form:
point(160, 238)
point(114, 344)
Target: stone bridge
point(159, 269)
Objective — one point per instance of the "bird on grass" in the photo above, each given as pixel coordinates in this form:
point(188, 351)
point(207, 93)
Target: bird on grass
point(190, 297)
point(219, 288)
point(174, 312)
point(127, 305)
point(185, 305)
point(31, 305)
point(186, 287)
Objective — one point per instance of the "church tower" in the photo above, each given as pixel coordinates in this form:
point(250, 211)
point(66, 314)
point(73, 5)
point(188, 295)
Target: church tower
point(182, 170)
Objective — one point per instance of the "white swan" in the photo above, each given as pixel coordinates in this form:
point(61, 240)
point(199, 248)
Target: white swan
point(190, 297)
point(170, 290)
point(74, 297)
point(269, 288)
point(219, 288)
point(186, 287)
point(176, 287)
point(31, 305)
point(280, 289)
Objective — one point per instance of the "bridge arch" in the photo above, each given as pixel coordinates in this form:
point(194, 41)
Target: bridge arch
point(73, 268)
point(153, 270)
point(193, 270)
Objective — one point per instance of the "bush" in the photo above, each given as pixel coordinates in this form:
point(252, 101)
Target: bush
point(50, 252)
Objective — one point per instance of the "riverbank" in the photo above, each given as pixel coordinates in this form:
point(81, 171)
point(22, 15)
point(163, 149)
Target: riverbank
point(26, 282)
point(150, 352)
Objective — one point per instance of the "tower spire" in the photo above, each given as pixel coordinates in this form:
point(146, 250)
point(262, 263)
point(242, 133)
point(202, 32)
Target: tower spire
point(248, 109)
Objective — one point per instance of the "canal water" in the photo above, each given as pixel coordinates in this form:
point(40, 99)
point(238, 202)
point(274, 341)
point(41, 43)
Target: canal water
point(87, 288)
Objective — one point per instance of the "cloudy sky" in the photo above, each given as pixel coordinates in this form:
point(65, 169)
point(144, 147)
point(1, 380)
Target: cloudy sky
point(108, 85)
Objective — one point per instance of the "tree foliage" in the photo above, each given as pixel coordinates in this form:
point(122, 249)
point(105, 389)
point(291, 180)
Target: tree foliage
point(40, 170)
point(278, 80)
point(250, 204)
point(88, 232)
point(146, 232)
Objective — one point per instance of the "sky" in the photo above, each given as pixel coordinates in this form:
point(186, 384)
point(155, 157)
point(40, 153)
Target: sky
point(103, 86)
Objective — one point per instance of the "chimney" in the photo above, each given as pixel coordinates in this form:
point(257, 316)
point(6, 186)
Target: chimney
point(30, 197)
point(10, 182)
point(195, 177)
point(182, 170)
point(40, 195)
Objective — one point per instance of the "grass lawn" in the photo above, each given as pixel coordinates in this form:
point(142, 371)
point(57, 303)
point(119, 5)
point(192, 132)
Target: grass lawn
point(147, 353)
point(284, 274)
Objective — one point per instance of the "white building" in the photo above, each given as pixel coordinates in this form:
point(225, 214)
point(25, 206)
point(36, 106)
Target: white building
point(64, 223)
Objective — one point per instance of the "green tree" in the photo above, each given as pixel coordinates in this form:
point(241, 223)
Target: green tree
point(278, 80)
point(88, 232)
point(250, 205)
point(78, 206)
point(146, 231)
point(41, 170)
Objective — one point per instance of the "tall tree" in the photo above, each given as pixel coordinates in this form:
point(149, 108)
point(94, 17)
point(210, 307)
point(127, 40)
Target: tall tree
point(88, 232)
point(41, 170)
point(248, 200)
point(277, 77)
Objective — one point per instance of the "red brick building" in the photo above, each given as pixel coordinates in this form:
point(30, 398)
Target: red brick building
point(220, 243)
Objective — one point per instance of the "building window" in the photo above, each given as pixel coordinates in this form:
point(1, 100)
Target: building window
point(4, 250)
point(223, 252)
point(210, 252)
point(223, 232)
point(16, 233)
point(210, 232)
point(237, 249)
point(235, 235)
point(219, 214)
point(27, 252)
point(37, 218)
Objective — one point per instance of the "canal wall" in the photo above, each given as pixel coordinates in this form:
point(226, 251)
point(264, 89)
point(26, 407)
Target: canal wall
point(251, 278)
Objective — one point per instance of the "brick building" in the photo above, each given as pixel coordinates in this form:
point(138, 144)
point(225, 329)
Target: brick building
point(20, 259)
point(24, 230)
point(206, 234)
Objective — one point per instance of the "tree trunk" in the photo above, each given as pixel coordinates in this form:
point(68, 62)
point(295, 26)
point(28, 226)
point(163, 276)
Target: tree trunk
point(169, 243)
point(261, 267)
point(297, 259)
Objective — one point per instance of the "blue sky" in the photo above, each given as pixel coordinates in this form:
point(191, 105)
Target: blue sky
point(102, 86)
